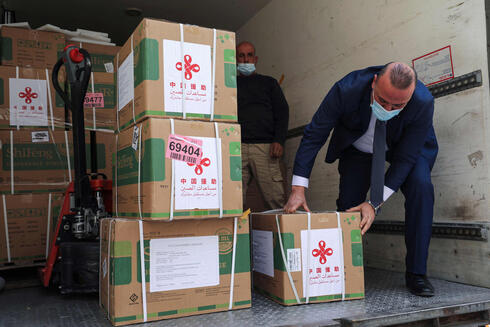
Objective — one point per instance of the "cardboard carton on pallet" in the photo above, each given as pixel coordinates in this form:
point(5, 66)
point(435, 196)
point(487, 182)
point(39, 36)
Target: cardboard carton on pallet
point(190, 267)
point(151, 180)
point(301, 258)
point(161, 61)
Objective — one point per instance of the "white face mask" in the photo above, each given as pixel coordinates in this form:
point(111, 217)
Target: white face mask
point(246, 69)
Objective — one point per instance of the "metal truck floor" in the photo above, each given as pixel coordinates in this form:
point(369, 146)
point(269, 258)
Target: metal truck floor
point(387, 302)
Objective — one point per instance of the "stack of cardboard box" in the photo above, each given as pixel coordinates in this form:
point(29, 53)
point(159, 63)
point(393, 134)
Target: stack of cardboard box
point(177, 179)
point(36, 153)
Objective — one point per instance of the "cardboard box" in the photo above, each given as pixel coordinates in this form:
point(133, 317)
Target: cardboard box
point(196, 186)
point(324, 269)
point(203, 247)
point(98, 118)
point(40, 159)
point(30, 48)
point(100, 54)
point(31, 220)
point(150, 76)
point(31, 95)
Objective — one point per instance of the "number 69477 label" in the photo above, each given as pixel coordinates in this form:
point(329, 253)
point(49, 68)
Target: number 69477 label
point(94, 100)
point(184, 148)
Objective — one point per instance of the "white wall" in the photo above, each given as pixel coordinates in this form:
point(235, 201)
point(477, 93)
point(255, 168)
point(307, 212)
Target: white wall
point(314, 43)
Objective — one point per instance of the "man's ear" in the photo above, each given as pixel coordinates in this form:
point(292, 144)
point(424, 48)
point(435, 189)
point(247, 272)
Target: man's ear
point(374, 80)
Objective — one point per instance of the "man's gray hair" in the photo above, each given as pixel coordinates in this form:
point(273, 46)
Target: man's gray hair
point(401, 76)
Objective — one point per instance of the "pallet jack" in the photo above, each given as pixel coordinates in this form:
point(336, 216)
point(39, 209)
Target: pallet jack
point(73, 261)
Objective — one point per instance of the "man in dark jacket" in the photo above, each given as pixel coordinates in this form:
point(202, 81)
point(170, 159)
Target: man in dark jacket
point(382, 108)
point(263, 115)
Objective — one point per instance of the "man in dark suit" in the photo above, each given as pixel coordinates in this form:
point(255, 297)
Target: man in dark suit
point(378, 113)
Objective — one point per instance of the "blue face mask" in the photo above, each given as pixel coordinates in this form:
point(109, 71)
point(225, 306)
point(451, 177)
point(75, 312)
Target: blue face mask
point(381, 113)
point(246, 69)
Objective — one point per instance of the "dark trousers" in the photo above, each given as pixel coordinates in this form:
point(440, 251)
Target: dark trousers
point(355, 175)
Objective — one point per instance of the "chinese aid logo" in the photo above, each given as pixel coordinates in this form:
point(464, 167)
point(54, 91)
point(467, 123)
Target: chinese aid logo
point(322, 252)
point(188, 66)
point(204, 162)
point(28, 95)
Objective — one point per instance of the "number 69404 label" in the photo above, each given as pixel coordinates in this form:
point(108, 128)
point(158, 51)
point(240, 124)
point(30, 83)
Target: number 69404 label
point(184, 148)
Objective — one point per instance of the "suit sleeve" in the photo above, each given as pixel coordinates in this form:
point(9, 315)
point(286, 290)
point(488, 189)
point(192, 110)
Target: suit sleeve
point(317, 131)
point(409, 147)
point(280, 110)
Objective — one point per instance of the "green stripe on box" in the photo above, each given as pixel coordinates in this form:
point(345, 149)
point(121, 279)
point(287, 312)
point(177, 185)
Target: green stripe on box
point(206, 307)
point(202, 308)
point(167, 313)
point(357, 257)
point(146, 61)
point(121, 249)
point(187, 310)
point(355, 236)
point(5, 48)
point(229, 55)
point(230, 75)
point(150, 315)
point(179, 114)
point(2, 90)
point(313, 298)
point(180, 214)
point(121, 319)
point(240, 303)
point(235, 148)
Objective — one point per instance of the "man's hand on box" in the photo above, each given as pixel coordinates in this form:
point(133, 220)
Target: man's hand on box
point(367, 216)
point(296, 200)
point(276, 150)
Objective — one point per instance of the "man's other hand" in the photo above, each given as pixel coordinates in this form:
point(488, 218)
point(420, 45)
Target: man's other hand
point(367, 216)
point(296, 200)
point(276, 150)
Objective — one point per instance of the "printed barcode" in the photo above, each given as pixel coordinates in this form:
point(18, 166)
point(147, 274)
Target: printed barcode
point(175, 156)
point(189, 159)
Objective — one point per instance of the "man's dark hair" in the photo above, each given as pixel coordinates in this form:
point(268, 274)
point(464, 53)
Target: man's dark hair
point(401, 76)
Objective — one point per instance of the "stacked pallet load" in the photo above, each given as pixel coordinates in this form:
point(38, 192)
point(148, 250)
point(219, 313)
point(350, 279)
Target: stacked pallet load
point(36, 154)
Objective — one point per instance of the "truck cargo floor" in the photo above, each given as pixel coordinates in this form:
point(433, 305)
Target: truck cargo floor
point(387, 302)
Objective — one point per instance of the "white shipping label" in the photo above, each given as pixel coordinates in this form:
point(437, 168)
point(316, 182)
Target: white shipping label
point(196, 185)
point(322, 274)
point(109, 67)
point(183, 262)
point(194, 81)
point(125, 81)
point(294, 260)
point(41, 136)
point(28, 102)
point(136, 135)
point(262, 252)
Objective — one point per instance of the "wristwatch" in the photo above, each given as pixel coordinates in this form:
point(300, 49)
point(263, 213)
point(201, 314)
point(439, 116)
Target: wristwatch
point(376, 208)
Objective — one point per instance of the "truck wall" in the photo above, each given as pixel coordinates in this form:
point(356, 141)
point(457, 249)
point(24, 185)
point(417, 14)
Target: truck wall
point(312, 44)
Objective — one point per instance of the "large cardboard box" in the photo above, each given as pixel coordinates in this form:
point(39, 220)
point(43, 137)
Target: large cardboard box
point(102, 55)
point(27, 99)
point(28, 223)
point(146, 180)
point(188, 268)
point(99, 117)
point(39, 161)
point(152, 73)
point(30, 48)
point(319, 258)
